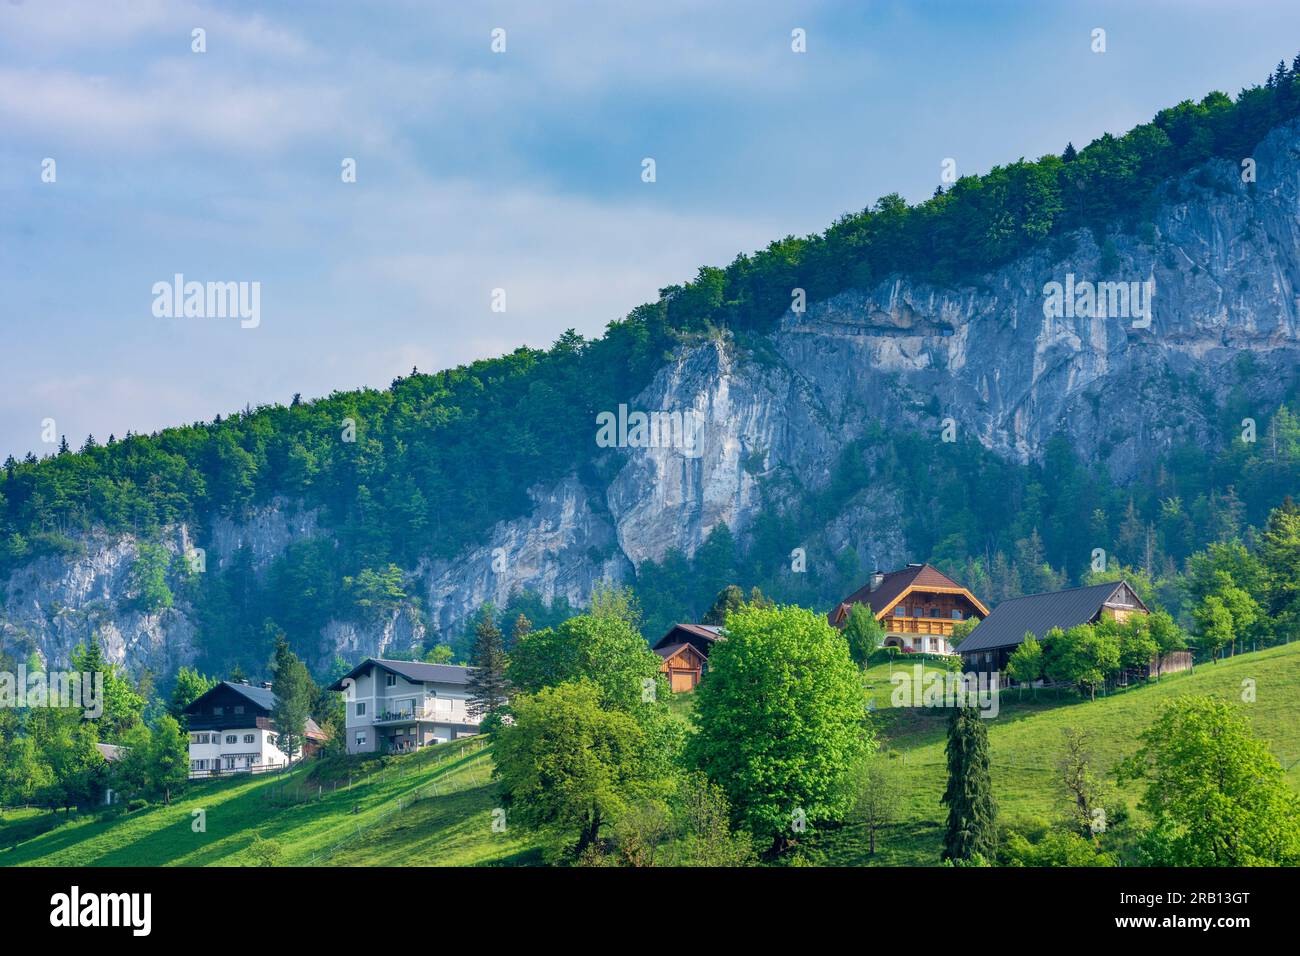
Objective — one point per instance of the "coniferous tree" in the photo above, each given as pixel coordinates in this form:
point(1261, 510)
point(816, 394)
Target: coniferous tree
point(730, 598)
point(294, 694)
point(972, 811)
point(488, 689)
point(521, 628)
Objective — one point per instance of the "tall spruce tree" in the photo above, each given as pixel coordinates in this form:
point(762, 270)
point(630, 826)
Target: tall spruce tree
point(972, 811)
point(294, 694)
point(488, 687)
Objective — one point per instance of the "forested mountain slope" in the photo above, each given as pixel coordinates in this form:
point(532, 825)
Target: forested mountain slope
point(382, 520)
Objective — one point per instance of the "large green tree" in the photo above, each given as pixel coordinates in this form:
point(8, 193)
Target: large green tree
point(780, 721)
point(1215, 794)
point(566, 764)
point(123, 707)
point(603, 648)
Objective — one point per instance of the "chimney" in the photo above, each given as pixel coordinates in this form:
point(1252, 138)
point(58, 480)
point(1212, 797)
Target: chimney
point(877, 578)
point(266, 685)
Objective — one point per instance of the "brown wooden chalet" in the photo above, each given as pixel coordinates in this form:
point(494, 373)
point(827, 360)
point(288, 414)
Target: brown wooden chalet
point(685, 653)
point(917, 606)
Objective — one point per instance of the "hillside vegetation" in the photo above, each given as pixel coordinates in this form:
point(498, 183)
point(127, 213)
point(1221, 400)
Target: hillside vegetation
point(435, 808)
point(431, 463)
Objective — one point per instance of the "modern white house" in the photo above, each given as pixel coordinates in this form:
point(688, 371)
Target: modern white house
point(399, 706)
point(231, 731)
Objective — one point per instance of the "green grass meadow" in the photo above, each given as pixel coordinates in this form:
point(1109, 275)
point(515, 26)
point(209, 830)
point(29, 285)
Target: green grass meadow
point(435, 808)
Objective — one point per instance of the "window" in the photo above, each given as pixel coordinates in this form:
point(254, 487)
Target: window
point(956, 614)
point(249, 738)
point(218, 711)
point(231, 739)
point(204, 738)
point(390, 680)
point(272, 739)
point(237, 709)
point(361, 710)
point(361, 738)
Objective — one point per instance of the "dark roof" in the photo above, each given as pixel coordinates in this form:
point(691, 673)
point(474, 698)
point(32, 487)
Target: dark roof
point(416, 671)
point(261, 697)
point(1039, 613)
point(704, 632)
point(110, 752)
point(894, 584)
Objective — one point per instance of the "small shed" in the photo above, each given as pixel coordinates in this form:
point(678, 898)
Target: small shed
point(683, 664)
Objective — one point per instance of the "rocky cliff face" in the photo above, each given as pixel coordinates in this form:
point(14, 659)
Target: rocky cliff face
point(984, 359)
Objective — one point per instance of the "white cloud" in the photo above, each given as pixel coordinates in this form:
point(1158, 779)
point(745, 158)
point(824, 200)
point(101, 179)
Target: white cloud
point(50, 27)
point(180, 104)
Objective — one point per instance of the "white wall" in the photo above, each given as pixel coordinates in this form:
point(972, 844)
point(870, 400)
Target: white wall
point(216, 750)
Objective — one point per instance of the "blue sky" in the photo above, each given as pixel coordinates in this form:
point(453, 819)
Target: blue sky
point(477, 170)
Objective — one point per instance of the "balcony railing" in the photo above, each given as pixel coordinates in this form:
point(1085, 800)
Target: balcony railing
point(919, 625)
point(409, 716)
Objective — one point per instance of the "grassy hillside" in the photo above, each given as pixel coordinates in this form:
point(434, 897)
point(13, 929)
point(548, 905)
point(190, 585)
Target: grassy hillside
point(1026, 740)
point(435, 808)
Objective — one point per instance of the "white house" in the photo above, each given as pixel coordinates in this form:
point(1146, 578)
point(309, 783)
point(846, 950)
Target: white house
point(397, 706)
point(231, 731)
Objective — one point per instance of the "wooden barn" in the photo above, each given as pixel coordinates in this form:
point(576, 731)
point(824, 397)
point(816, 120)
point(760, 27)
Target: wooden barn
point(685, 654)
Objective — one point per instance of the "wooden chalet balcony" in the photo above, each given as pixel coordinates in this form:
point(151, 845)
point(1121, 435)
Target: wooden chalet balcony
point(919, 625)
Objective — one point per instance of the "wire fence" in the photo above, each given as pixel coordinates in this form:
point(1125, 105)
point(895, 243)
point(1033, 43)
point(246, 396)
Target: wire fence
point(376, 817)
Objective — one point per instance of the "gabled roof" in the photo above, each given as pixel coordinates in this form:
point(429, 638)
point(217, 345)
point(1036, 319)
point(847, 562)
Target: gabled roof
point(703, 632)
point(416, 671)
point(262, 697)
point(896, 584)
point(1039, 613)
point(671, 651)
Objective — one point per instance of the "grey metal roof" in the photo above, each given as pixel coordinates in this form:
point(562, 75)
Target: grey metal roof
point(1037, 614)
point(417, 671)
point(261, 696)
